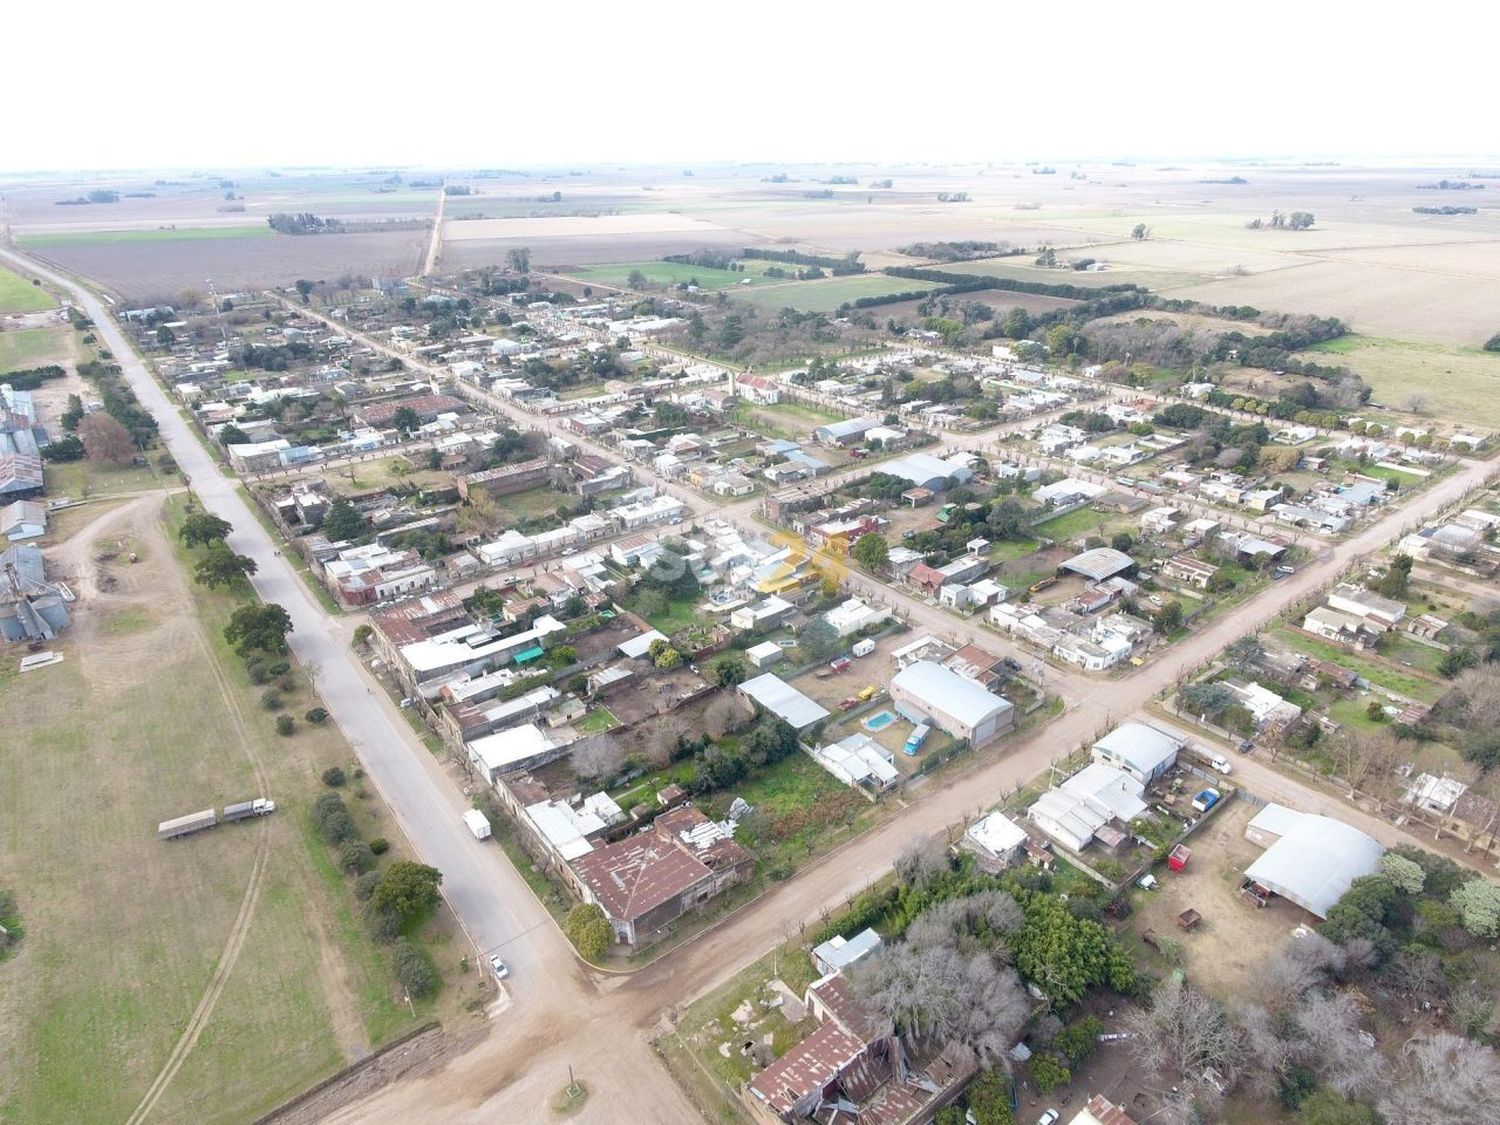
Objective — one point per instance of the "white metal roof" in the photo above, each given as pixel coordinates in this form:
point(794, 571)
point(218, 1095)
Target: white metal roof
point(1141, 747)
point(1315, 860)
point(500, 751)
point(945, 691)
point(783, 700)
point(639, 646)
point(996, 833)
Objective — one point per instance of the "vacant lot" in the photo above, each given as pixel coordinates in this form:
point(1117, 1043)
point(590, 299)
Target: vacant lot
point(665, 273)
point(151, 717)
point(17, 294)
point(1460, 385)
point(31, 347)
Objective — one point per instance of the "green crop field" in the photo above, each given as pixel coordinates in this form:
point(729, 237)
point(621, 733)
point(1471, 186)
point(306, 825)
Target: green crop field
point(18, 295)
point(167, 234)
point(1460, 385)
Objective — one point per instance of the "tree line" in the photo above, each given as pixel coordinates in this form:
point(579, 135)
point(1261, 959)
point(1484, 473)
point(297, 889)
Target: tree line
point(839, 267)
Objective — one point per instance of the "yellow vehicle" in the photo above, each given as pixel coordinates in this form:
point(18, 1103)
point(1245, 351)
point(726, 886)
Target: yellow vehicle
point(868, 694)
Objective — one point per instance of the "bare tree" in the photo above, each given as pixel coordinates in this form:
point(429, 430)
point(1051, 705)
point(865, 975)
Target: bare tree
point(1182, 1033)
point(723, 715)
point(1268, 1052)
point(1472, 1008)
point(663, 739)
point(1303, 964)
point(596, 756)
point(1446, 1078)
point(1417, 402)
point(1417, 972)
point(1332, 1043)
point(921, 860)
point(105, 439)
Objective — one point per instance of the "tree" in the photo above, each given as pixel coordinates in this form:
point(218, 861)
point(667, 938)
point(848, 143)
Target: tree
point(1330, 1039)
point(1016, 324)
point(355, 857)
point(1243, 653)
point(406, 420)
point(1493, 343)
point(1139, 231)
point(407, 889)
point(1393, 583)
point(563, 656)
point(1168, 618)
point(988, 1099)
point(596, 756)
point(106, 440)
point(1064, 954)
point(304, 289)
point(333, 777)
point(65, 448)
point(1444, 1078)
point(72, 415)
point(1326, 1107)
point(414, 969)
point(819, 641)
point(727, 670)
point(258, 628)
point(871, 552)
point(636, 279)
point(518, 258)
point(202, 528)
point(1048, 1072)
point(220, 566)
point(343, 521)
point(723, 716)
point(233, 435)
point(589, 931)
point(1478, 902)
point(1181, 1033)
point(1406, 874)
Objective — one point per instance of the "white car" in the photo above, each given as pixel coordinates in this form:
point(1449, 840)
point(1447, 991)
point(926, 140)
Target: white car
point(501, 969)
point(1048, 1117)
point(1222, 765)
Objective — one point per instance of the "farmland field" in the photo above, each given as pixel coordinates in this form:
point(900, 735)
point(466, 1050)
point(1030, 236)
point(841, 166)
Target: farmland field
point(825, 295)
point(167, 234)
point(18, 295)
point(151, 716)
point(144, 270)
point(666, 273)
point(1462, 385)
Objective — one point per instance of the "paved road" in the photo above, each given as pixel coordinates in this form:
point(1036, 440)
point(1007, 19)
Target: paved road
point(497, 909)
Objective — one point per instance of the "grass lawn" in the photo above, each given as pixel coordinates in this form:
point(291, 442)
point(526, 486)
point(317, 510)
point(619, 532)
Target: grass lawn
point(30, 347)
point(802, 412)
point(1409, 653)
point(1392, 677)
point(662, 273)
point(598, 720)
point(385, 472)
point(174, 234)
point(678, 615)
point(151, 716)
point(88, 478)
point(1009, 550)
point(643, 790)
point(1085, 521)
point(18, 295)
point(1461, 385)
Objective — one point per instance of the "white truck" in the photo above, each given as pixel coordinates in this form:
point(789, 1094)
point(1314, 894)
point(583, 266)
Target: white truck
point(478, 823)
point(184, 825)
point(261, 806)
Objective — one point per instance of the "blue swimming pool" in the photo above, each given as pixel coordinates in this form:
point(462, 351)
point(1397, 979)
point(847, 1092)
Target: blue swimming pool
point(878, 721)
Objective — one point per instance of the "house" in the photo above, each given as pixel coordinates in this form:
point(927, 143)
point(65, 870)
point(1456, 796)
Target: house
point(949, 701)
point(518, 748)
point(979, 594)
point(764, 614)
point(928, 579)
point(1160, 521)
point(978, 664)
point(1380, 613)
point(996, 840)
point(1061, 494)
point(859, 762)
point(838, 953)
point(1267, 708)
point(23, 519)
point(754, 388)
point(506, 479)
point(1143, 752)
point(1089, 804)
point(639, 645)
point(1311, 860)
point(373, 573)
point(918, 497)
point(1345, 628)
point(426, 665)
point(645, 882)
point(1101, 1111)
point(775, 695)
point(1434, 794)
point(257, 456)
point(852, 616)
point(1427, 626)
point(1188, 570)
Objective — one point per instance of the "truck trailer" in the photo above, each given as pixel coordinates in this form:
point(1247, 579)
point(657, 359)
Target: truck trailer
point(183, 825)
point(478, 823)
point(261, 806)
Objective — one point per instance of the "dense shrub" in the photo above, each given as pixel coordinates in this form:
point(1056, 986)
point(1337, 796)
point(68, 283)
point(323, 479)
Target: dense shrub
point(355, 857)
point(285, 725)
point(364, 886)
point(333, 777)
point(380, 845)
point(415, 971)
point(270, 699)
point(316, 715)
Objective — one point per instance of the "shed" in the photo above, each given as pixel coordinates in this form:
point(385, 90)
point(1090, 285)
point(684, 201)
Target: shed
point(765, 654)
point(838, 952)
point(783, 700)
point(1099, 563)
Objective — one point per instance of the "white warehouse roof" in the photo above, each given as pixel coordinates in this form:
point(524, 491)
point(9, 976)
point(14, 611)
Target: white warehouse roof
point(783, 700)
point(1140, 747)
point(1315, 860)
point(947, 692)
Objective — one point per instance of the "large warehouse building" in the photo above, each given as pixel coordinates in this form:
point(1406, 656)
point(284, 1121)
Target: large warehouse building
point(1312, 859)
point(957, 705)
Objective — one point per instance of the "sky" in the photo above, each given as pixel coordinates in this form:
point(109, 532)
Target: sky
point(460, 84)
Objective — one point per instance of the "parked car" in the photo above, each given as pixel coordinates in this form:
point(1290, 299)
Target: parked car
point(1048, 1117)
point(1246, 746)
point(501, 969)
point(1221, 764)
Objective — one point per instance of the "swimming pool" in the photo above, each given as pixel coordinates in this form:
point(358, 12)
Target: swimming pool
point(879, 721)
